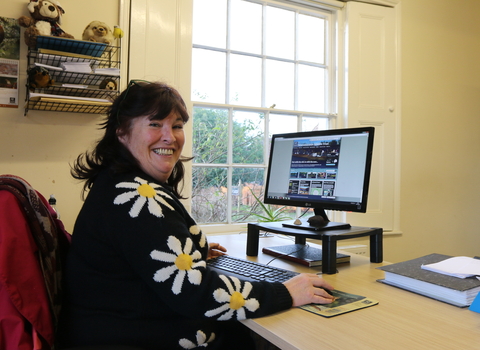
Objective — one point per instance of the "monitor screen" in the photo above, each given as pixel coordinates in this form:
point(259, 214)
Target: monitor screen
point(324, 170)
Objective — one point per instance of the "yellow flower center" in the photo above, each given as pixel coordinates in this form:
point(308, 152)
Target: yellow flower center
point(184, 262)
point(236, 301)
point(146, 191)
point(195, 230)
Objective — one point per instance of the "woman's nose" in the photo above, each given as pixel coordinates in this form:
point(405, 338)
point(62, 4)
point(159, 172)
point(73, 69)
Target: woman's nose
point(167, 135)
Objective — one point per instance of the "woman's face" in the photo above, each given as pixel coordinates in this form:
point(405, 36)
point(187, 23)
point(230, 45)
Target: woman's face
point(156, 144)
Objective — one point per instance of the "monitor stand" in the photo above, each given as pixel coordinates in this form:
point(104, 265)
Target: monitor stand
point(318, 222)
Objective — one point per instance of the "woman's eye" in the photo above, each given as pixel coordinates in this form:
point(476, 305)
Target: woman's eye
point(154, 125)
point(180, 126)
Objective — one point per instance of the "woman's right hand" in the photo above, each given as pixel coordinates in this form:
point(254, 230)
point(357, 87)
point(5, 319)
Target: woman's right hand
point(308, 288)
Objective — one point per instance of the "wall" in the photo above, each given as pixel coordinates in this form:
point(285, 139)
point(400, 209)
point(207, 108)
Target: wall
point(440, 127)
point(40, 146)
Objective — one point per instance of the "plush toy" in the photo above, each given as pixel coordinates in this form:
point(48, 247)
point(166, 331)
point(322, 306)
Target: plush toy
point(98, 32)
point(39, 77)
point(108, 84)
point(45, 20)
point(118, 32)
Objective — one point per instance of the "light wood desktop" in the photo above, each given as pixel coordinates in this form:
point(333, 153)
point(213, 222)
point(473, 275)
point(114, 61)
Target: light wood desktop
point(401, 320)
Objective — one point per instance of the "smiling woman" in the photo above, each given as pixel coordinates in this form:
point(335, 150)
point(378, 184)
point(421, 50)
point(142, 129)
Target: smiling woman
point(144, 129)
point(156, 145)
point(136, 272)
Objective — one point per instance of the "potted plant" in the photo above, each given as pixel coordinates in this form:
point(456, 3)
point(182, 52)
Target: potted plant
point(269, 212)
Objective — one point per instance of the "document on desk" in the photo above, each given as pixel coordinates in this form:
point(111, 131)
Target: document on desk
point(410, 275)
point(458, 266)
point(344, 302)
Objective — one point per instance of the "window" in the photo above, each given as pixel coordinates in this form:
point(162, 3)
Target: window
point(258, 68)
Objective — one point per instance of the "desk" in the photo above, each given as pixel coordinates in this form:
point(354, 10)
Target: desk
point(329, 240)
point(401, 320)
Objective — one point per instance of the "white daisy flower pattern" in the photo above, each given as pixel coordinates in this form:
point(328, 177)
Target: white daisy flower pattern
point(202, 341)
point(144, 192)
point(185, 263)
point(195, 230)
point(234, 300)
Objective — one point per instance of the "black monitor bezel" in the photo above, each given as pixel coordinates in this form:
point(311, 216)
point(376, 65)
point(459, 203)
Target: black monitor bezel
point(325, 204)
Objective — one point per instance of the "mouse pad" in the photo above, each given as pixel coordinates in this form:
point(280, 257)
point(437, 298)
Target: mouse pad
point(344, 302)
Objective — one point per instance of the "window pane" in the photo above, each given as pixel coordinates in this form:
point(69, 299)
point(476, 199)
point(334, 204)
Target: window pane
point(280, 33)
point(311, 39)
point(279, 84)
point(244, 181)
point(248, 132)
point(245, 80)
point(311, 89)
point(281, 124)
point(246, 27)
point(210, 135)
point(264, 54)
point(208, 76)
point(210, 23)
point(314, 123)
point(209, 196)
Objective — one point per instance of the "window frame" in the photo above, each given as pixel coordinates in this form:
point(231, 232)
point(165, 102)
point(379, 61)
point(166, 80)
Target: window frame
point(333, 101)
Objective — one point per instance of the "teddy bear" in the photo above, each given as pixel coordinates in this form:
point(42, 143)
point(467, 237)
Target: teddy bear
point(108, 84)
point(45, 20)
point(98, 32)
point(38, 78)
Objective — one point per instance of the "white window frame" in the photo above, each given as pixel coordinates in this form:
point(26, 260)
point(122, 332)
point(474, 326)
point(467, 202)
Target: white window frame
point(332, 104)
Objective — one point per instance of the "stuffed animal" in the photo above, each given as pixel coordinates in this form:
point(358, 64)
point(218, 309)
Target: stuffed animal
point(118, 32)
point(45, 20)
point(98, 32)
point(39, 77)
point(108, 84)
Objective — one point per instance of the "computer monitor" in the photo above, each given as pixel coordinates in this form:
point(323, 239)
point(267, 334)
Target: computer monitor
point(323, 170)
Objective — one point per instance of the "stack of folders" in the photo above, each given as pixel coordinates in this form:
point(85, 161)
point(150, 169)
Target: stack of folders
point(415, 276)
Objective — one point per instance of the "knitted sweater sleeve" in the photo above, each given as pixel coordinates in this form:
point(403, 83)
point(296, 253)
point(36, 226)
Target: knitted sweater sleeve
point(163, 244)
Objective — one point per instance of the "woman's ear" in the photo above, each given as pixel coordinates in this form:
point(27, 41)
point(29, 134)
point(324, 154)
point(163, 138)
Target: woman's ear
point(122, 136)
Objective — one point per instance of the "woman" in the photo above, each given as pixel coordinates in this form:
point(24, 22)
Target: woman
point(136, 272)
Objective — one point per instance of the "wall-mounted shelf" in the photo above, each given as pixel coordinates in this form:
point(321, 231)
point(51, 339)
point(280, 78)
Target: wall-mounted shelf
point(77, 77)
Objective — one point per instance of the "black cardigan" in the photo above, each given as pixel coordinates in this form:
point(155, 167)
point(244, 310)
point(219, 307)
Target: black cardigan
point(137, 275)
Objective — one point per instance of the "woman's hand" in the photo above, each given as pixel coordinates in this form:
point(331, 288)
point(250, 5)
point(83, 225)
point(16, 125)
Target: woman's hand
point(215, 249)
point(308, 288)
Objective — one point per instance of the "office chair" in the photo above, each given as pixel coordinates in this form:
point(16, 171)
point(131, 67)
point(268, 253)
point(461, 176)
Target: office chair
point(33, 246)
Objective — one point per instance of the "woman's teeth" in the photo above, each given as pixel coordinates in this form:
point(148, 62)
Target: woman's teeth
point(163, 151)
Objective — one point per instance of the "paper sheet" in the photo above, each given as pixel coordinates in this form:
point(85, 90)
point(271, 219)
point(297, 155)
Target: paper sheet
point(459, 266)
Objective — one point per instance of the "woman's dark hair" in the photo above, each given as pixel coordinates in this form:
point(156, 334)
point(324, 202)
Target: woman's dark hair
point(140, 98)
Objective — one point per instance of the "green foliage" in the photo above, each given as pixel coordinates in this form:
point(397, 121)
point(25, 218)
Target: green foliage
point(211, 132)
point(210, 142)
point(10, 46)
point(269, 212)
point(210, 135)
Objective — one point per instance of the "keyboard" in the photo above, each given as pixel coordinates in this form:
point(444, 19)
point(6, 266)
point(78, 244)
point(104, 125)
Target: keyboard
point(249, 270)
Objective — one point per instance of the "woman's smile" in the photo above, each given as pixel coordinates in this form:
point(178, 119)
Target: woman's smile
point(156, 144)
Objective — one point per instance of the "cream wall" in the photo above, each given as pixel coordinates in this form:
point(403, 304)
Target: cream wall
point(440, 129)
point(440, 89)
point(40, 146)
